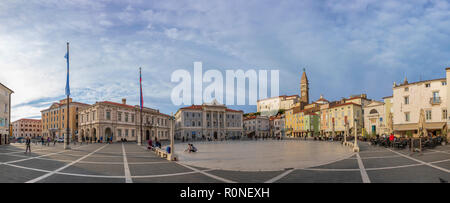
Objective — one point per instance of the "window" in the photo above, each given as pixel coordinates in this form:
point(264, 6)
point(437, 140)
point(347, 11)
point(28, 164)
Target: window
point(126, 117)
point(119, 132)
point(132, 133)
point(444, 83)
point(407, 117)
point(406, 89)
point(119, 116)
point(407, 100)
point(444, 114)
point(428, 114)
point(436, 98)
point(126, 133)
point(427, 85)
point(108, 115)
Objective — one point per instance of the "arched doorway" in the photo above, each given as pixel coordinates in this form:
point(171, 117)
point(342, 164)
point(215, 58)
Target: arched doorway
point(82, 135)
point(147, 135)
point(88, 135)
point(215, 135)
point(94, 134)
point(108, 134)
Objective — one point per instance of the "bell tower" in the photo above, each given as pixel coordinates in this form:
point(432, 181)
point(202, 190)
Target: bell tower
point(304, 88)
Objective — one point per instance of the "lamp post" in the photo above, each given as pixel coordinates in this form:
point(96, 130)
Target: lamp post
point(346, 133)
point(172, 156)
point(355, 146)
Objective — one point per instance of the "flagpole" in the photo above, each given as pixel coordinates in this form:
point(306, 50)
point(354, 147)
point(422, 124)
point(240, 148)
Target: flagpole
point(140, 83)
point(66, 139)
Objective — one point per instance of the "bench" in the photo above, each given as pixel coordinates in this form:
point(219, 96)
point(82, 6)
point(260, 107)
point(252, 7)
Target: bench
point(163, 154)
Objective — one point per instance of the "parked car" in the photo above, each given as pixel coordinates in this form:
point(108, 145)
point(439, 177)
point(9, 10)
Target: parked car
point(60, 140)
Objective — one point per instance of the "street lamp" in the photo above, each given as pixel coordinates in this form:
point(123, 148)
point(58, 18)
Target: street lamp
point(355, 145)
point(346, 133)
point(172, 156)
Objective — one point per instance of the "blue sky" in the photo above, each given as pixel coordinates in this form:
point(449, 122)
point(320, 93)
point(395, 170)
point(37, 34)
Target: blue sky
point(348, 47)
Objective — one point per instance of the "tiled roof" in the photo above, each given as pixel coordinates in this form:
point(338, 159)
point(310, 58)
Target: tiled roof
point(27, 119)
point(232, 110)
point(423, 81)
point(117, 104)
point(200, 107)
point(6, 87)
point(344, 104)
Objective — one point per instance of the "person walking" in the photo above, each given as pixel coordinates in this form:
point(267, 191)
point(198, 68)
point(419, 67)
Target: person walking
point(54, 141)
point(28, 144)
point(48, 141)
point(391, 139)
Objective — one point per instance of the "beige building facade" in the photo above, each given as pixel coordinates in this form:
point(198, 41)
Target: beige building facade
point(54, 123)
point(5, 114)
point(375, 118)
point(117, 121)
point(27, 128)
point(257, 126)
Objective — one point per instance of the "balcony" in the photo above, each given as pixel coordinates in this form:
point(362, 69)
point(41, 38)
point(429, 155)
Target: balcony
point(435, 100)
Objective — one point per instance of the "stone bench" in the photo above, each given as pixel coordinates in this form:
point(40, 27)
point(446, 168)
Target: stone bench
point(163, 154)
point(352, 145)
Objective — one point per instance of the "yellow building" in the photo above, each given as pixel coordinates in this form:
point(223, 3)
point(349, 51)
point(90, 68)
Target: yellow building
point(337, 115)
point(300, 122)
point(289, 122)
point(54, 123)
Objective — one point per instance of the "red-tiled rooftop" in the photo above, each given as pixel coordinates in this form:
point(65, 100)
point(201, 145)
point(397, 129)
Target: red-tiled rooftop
point(344, 104)
point(117, 104)
point(28, 119)
point(200, 107)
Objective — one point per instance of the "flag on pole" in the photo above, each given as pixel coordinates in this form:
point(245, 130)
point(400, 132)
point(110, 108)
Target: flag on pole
point(67, 82)
point(140, 83)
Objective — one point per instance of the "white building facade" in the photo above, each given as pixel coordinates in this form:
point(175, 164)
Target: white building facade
point(257, 126)
point(5, 114)
point(408, 100)
point(272, 105)
point(374, 118)
point(212, 121)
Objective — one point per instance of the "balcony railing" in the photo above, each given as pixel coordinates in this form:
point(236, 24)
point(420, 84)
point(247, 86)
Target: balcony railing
point(435, 100)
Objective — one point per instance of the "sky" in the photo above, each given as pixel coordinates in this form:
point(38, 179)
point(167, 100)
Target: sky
point(347, 47)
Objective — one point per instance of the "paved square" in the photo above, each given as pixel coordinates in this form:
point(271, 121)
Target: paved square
point(105, 163)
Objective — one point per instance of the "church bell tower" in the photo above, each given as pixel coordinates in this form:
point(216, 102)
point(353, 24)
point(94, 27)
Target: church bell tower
point(304, 88)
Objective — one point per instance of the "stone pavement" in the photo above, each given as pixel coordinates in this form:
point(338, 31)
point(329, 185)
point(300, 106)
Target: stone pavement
point(121, 163)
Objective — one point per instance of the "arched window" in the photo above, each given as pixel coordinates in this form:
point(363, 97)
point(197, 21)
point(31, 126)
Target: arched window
point(373, 111)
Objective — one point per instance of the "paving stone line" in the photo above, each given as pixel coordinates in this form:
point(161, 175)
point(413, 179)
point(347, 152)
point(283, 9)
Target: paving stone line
point(278, 177)
point(364, 176)
point(207, 174)
point(422, 162)
point(64, 167)
point(44, 155)
point(126, 167)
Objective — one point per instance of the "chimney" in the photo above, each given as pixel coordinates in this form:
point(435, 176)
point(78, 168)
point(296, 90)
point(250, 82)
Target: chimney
point(124, 101)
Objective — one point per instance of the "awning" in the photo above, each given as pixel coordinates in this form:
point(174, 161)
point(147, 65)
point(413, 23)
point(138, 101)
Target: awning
point(434, 126)
point(405, 127)
point(414, 126)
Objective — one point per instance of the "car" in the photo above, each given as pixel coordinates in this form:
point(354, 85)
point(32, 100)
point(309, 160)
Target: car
point(60, 140)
